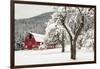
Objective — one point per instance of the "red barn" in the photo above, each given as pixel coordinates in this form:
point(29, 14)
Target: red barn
point(34, 41)
point(39, 38)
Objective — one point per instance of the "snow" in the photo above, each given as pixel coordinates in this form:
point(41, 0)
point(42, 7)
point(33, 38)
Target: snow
point(38, 37)
point(51, 26)
point(47, 56)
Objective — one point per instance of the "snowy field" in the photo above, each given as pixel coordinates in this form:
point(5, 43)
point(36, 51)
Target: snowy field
point(32, 57)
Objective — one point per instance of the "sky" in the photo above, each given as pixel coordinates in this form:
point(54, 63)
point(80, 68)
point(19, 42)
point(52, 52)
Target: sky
point(27, 11)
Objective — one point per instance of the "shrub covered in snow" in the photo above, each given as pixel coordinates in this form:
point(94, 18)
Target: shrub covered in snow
point(86, 40)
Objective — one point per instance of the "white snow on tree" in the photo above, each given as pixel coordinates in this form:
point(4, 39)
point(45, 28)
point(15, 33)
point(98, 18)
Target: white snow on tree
point(55, 30)
point(77, 21)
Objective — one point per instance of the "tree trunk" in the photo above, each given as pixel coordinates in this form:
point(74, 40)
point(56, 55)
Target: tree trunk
point(73, 41)
point(70, 36)
point(73, 49)
point(63, 45)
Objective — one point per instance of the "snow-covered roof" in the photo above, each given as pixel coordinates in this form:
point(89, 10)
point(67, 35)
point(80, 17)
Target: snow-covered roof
point(38, 37)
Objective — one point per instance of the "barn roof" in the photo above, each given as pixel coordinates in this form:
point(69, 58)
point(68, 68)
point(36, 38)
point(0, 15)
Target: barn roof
point(38, 37)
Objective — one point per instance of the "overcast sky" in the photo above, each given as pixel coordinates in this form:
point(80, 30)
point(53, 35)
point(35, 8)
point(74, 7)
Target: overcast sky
point(26, 10)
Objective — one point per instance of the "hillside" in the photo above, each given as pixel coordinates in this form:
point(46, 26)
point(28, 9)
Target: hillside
point(34, 24)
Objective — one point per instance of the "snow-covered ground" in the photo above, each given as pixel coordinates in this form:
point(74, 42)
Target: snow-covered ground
point(47, 56)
